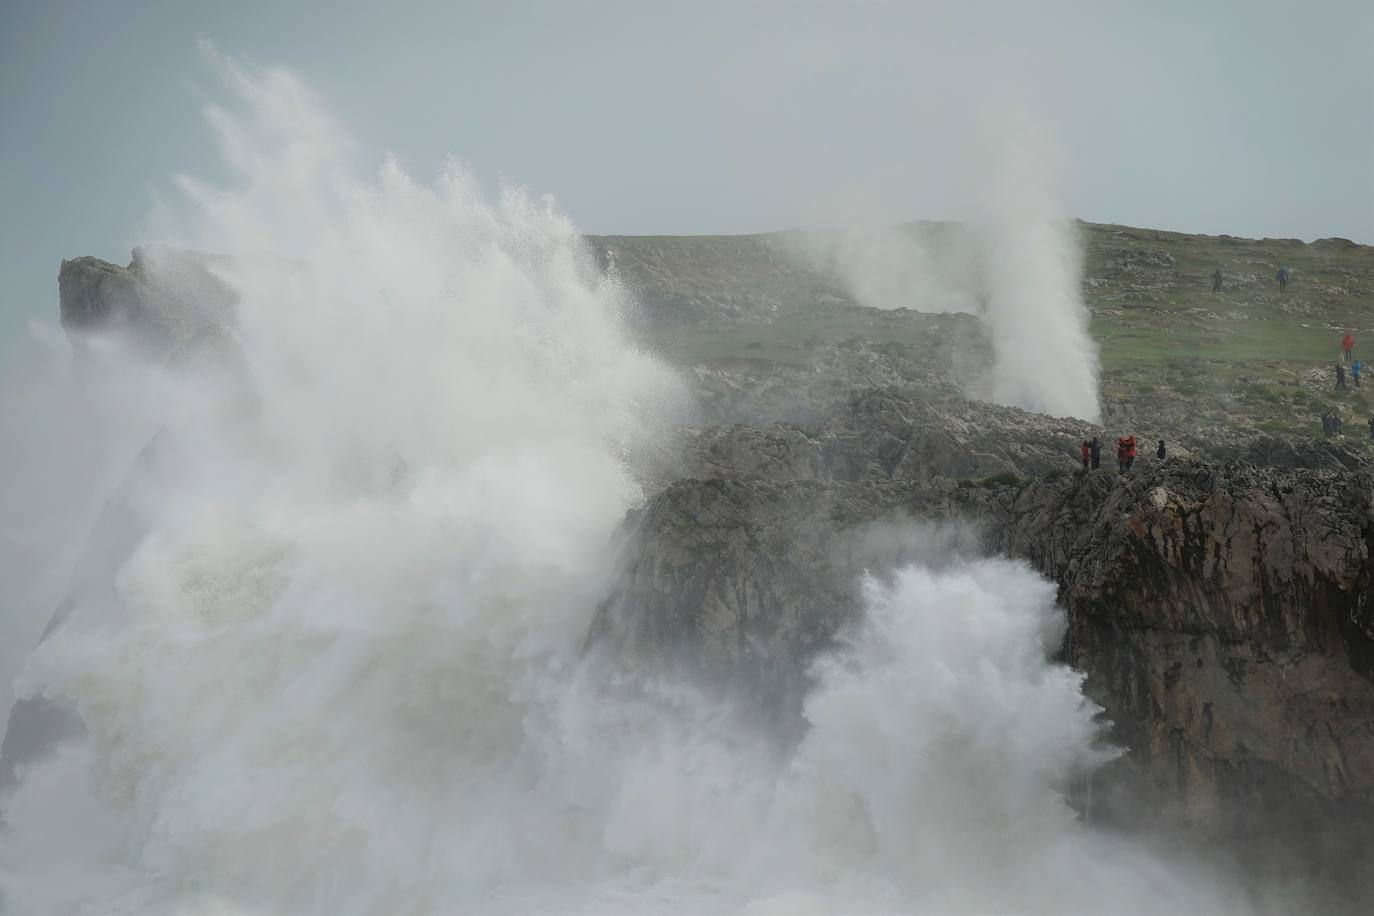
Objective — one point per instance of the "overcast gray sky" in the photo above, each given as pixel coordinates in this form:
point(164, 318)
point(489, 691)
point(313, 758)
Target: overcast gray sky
point(1253, 118)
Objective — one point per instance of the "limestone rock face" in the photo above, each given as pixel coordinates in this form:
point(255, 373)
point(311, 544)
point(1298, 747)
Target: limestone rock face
point(95, 294)
point(892, 433)
point(161, 300)
point(1224, 616)
point(1316, 454)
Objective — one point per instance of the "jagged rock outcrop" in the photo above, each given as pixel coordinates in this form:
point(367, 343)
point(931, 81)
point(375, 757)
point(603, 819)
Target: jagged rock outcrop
point(164, 298)
point(1224, 616)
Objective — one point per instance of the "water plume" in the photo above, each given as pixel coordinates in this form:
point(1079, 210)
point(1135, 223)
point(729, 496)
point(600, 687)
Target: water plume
point(1015, 262)
point(1029, 278)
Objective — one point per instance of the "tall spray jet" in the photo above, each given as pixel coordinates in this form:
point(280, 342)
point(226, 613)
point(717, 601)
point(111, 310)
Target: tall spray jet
point(1029, 275)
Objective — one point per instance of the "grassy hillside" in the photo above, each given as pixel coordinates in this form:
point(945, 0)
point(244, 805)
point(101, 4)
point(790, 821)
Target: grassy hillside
point(1249, 355)
point(1173, 353)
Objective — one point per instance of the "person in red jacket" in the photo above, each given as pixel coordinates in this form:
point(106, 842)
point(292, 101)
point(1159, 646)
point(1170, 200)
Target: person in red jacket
point(1125, 453)
point(1348, 344)
point(1087, 451)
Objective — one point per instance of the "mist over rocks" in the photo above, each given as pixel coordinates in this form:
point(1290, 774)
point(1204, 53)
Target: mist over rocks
point(1217, 604)
point(161, 299)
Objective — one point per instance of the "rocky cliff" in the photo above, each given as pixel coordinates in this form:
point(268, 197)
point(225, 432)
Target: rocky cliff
point(1224, 615)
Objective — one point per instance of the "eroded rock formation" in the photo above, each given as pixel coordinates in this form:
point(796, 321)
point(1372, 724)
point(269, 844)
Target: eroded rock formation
point(1224, 616)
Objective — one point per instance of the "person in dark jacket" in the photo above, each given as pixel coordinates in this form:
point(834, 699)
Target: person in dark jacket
point(1216, 280)
point(1159, 452)
point(1095, 450)
point(1282, 277)
point(1340, 376)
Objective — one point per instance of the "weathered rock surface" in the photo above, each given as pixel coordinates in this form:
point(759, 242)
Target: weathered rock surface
point(161, 300)
point(894, 433)
point(1224, 616)
point(917, 434)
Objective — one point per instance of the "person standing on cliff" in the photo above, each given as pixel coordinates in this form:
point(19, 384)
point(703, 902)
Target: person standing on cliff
point(1086, 451)
point(1340, 377)
point(1216, 280)
point(1347, 345)
point(1095, 449)
point(1282, 277)
point(1125, 453)
point(1160, 453)
point(1355, 372)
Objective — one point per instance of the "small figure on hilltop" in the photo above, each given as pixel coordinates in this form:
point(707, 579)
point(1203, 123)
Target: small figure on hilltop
point(1216, 280)
point(1347, 345)
point(1282, 277)
point(1340, 377)
point(1160, 453)
point(1355, 372)
point(1125, 453)
point(1087, 452)
point(1095, 449)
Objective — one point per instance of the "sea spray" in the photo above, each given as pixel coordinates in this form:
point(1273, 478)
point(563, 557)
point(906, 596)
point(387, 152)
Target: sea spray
point(1029, 276)
point(340, 670)
point(922, 267)
point(347, 598)
point(1014, 261)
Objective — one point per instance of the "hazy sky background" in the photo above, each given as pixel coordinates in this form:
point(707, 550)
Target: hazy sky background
point(1251, 118)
